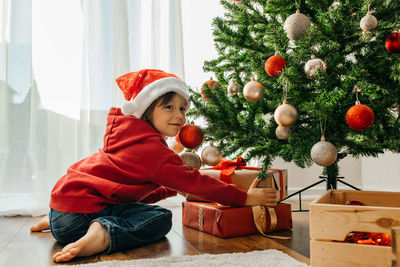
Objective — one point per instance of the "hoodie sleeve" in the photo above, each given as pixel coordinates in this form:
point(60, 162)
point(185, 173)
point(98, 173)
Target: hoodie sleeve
point(158, 194)
point(176, 175)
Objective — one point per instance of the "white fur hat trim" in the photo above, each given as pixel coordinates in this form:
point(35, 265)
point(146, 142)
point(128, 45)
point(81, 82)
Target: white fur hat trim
point(151, 92)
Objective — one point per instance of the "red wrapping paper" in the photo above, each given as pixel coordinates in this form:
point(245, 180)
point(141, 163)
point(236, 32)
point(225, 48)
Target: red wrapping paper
point(225, 221)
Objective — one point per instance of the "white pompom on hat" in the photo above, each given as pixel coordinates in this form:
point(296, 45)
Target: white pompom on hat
point(141, 88)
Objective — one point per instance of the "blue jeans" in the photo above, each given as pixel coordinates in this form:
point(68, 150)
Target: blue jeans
point(129, 225)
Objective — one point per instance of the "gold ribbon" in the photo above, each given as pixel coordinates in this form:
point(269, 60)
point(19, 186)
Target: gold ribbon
point(259, 216)
point(201, 218)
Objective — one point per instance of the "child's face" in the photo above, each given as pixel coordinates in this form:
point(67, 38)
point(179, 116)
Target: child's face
point(169, 118)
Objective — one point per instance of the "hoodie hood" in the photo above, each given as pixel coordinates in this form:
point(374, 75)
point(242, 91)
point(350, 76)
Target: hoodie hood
point(124, 130)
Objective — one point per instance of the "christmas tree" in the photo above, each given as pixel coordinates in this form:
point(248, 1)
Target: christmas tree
point(314, 60)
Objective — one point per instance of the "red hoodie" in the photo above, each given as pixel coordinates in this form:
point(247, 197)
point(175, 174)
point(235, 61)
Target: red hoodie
point(135, 164)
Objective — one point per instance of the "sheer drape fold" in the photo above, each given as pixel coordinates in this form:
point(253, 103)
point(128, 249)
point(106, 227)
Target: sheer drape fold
point(56, 89)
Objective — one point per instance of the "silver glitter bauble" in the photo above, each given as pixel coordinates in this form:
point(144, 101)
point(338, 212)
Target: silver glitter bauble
point(233, 88)
point(296, 26)
point(313, 65)
point(191, 160)
point(211, 155)
point(324, 153)
point(368, 22)
point(285, 114)
point(282, 133)
point(253, 91)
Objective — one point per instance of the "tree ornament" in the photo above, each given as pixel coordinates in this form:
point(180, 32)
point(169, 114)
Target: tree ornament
point(313, 65)
point(191, 159)
point(190, 136)
point(285, 114)
point(324, 153)
point(296, 26)
point(233, 88)
point(211, 155)
point(211, 84)
point(368, 22)
point(392, 43)
point(359, 117)
point(253, 91)
point(177, 147)
point(274, 65)
point(282, 133)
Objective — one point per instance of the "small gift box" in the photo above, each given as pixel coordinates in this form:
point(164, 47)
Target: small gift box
point(236, 172)
point(225, 221)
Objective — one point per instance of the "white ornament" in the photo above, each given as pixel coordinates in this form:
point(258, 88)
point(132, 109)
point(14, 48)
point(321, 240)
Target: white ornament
point(211, 155)
point(233, 88)
point(282, 133)
point(324, 153)
point(296, 26)
point(313, 65)
point(253, 91)
point(285, 114)
point(191, 160)
point(368, 22)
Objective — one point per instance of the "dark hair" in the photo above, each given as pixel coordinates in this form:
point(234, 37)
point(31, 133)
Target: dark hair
point(162, 100)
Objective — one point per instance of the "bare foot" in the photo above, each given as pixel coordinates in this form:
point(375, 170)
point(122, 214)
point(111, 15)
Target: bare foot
point(43, 224)
point(94, 241)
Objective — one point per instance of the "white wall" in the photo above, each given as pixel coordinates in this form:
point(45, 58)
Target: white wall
point(381, 174)
point(298, 178)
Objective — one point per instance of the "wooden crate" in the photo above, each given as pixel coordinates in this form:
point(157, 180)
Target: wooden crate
point(331, 220)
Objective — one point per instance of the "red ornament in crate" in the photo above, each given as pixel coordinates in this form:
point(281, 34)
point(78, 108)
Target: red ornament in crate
point(365, 238)
point(190, 136)
point(274, 65)
point(359, 117)
point(211, 84)
point(392, 43)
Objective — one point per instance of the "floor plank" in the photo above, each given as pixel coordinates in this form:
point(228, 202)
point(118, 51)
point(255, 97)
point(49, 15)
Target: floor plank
point(9, 227)
point(20, 247)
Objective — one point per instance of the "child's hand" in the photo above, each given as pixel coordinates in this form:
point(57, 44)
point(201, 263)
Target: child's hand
point(260, 196)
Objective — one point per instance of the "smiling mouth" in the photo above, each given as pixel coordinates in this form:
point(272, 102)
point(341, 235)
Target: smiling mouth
point(175, 124)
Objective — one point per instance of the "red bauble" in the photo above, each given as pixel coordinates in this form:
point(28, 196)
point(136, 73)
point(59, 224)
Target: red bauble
point(354, 203)
point(359, 117)
point(274, 65)
point(191, 136)
point(211, 84)
point(392, 43)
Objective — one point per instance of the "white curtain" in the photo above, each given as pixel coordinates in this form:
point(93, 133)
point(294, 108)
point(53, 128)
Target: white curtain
point(58, 62)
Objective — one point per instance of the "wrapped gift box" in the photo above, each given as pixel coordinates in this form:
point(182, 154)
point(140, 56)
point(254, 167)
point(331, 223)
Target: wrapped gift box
point(243, 178)
point(225, 221)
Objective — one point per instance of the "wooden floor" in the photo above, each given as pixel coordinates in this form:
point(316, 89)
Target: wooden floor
point(19, 247)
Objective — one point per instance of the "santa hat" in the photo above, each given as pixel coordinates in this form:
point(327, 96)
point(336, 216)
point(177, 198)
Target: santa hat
point(141, 88)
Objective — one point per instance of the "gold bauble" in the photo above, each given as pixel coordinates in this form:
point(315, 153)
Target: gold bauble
point(233, 88)
point(368, 22)
point(191, 160)
point(177, 147)
point(253, 91)
point(324, 153)
point(313, 65)
point(296, 26)
point(282, 133)
point(285, 115)
point(211, 155)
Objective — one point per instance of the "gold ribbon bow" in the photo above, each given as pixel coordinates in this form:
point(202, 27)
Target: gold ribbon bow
point(259, 216)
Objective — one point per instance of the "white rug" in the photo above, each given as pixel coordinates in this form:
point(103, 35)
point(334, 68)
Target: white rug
point(264, 258)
